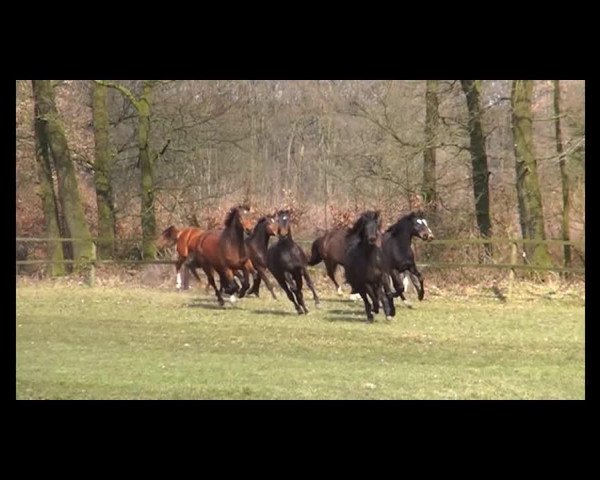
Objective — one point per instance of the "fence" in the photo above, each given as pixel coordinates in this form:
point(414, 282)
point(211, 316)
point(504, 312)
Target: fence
point(461, 242)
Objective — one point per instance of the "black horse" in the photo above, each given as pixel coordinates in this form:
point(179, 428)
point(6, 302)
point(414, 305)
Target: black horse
point(365, 265)
point(287, 262)
point(257, 244)
point(398, 253)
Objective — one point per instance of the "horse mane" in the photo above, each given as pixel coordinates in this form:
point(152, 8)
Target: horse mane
point(232, 213)
point(360, 223)
point(396, 227)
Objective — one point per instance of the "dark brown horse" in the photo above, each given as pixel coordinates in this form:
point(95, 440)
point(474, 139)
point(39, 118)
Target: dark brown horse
point(287, 262)
point(224, 251)
point(366, 269)
point(257, 245)
point(331, 249)
point(185, 241)
point(398, 251)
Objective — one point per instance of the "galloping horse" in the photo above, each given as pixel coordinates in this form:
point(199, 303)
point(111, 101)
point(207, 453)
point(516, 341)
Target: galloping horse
point(365, 265)
point(257, 245)
point(287, 262)
point(186, 242)
point(398, 252)
point(331, 249)
point(224, 251)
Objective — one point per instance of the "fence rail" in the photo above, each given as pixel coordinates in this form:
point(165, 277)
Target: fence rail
point(469, 241)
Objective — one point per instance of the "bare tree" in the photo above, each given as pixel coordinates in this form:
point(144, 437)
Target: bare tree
point(103, 166)
point(478, 159)
point(68, 193)
point(47, 195)
point(528, 188)
point(431, 123)
point(566, 206)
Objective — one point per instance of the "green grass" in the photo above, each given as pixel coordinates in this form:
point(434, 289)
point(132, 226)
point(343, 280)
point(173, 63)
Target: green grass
point(74, 342)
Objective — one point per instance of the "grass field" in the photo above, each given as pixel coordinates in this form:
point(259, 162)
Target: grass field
point(75, 342)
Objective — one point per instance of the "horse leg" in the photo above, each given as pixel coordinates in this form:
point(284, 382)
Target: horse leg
point(389, 296)
point(192, 269)
point(420, 288)
point(310, 284)
point(331, 267)
point(362, 292)
point(398, 285)
point(372, 292)
point(387, 301)
point(178, 265)
point(211, 281)
point(262, 273)
point(245, 282)
point(299, 295)
point(281, 279)
point(255, 284)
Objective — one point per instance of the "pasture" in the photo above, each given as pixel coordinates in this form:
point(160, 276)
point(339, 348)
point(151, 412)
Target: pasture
point(126, 342)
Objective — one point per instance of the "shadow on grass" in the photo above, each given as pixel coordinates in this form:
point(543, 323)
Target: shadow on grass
point(275, 312)
point(209, 306)
point(346, 318)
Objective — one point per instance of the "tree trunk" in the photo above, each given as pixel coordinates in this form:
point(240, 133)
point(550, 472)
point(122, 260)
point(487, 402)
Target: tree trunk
point(146, 161)
point(478, 160)
point(563, 175)
point(528, 188)
point(68, 193)
point(47, 194)
point(103, 173)
point(431, 122)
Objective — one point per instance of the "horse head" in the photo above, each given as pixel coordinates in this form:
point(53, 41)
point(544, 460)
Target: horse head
point(420, 227)
point(283, 223)
point(242, 215)
point(168, 237)
point(368, 228)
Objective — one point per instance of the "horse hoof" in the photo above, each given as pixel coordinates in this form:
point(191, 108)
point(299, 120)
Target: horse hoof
point(389, 318)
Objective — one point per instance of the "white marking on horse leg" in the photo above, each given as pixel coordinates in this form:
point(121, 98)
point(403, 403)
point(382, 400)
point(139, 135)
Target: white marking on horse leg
point(178, 285)
point(339, 291)
point(233, 299)
point(405, 282)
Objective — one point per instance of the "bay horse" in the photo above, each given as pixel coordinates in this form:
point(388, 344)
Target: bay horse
point(366, 270)
point(224, 251)
point(287, 262)
point(185, 241)
point(399, 254)
point(331, 249)
point(257, 245)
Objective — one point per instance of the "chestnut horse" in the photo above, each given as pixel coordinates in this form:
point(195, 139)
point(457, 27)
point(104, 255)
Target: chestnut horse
point(186, 242)
point(223, 250)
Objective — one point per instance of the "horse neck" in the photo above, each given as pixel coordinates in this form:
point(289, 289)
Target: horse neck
point(404, 234)
point(259, 236)
point(235, 233)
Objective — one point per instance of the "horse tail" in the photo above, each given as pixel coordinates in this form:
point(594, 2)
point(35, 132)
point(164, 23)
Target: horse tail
point(315, 254)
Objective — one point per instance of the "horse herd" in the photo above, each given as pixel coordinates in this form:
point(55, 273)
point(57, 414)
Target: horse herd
point(240, 250)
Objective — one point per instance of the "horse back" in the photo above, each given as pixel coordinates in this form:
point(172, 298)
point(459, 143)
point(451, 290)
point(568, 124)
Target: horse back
point(187, 240)
point(336, 244)
point(207, 247)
